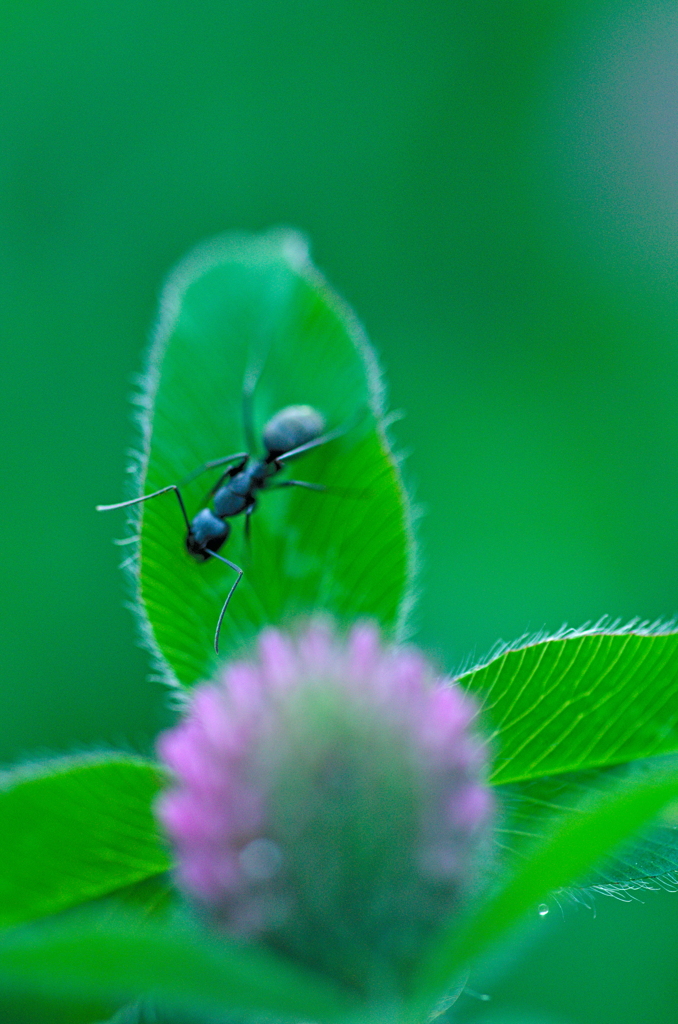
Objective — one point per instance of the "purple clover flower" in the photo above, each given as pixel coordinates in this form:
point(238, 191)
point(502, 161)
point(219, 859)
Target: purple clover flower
point(329, 800)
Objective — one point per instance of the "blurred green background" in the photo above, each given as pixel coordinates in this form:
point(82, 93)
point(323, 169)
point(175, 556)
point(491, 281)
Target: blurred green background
point(494, 187)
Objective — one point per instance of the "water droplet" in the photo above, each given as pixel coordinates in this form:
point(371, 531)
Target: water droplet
point(482, 996)
point(542, 910)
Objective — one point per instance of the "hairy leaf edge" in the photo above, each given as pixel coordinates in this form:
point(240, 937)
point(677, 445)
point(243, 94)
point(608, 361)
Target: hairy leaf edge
point(295, 248)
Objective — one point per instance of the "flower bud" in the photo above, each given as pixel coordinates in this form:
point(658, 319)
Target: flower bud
point(329, 801)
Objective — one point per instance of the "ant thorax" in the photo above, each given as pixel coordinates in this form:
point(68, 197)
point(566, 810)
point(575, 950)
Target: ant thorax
point(237, 493)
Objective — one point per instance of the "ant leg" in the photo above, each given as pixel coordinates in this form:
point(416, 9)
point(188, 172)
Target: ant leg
point(243, 458)
point(342, 492)
point(298, 483)
point(332, 435)
point(239, 456)
point(248, 516)
point(253, 372)
point(248, 410)
point(146, 497)
point(237, 569)
point(229, 474)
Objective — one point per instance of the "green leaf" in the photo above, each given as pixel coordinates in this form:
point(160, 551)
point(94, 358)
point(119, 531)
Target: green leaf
point(530, 809)
point(75, 829)
point(125, 956)
point(253, 309)
point(584, 701)
point(576, 844)
point(155, 895)
point(42, 1008)
point(564, 713)
point(133, 1013)
point(146, 1012)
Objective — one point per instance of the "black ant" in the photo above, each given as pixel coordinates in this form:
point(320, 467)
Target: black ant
point(292, 431)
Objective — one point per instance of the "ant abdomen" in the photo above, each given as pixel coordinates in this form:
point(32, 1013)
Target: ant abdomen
point(292, 427)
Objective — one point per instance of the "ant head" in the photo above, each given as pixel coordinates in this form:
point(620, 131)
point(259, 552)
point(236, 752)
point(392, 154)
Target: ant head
point(293, 426)
point(206, 533)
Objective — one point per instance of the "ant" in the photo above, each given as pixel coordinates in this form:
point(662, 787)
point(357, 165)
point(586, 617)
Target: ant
point(290, 432)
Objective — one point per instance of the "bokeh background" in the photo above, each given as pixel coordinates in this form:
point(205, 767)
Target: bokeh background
point(494, 187)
